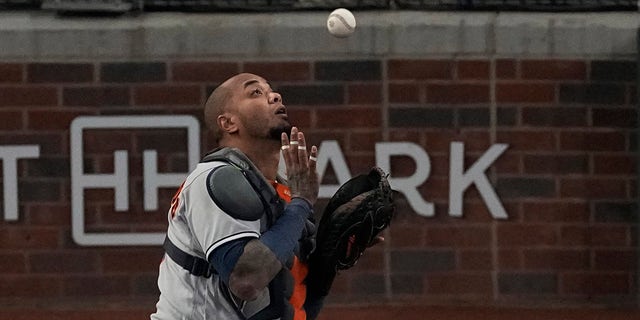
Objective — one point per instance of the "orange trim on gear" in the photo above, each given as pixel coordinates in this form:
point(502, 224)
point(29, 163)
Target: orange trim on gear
point(298, 271)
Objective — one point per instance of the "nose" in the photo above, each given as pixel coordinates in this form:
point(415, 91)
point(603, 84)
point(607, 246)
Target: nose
point(275, 97)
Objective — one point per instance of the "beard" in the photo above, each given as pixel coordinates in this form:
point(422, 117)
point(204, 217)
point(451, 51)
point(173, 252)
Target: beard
point(276, 132)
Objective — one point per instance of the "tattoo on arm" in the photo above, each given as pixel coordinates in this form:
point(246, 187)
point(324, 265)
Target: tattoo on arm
point(255, 268)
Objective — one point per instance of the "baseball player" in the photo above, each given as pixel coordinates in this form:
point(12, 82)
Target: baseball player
point(239, 234)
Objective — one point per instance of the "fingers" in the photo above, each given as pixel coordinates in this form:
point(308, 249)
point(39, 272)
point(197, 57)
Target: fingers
point(295, 154)
point(284, 139)
point(313, 158)
point(303, 159)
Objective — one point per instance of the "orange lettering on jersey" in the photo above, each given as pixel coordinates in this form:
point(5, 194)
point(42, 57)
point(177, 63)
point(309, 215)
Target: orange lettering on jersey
point(175, 201)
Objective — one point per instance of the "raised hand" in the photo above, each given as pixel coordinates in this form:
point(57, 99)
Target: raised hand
point(302, 175)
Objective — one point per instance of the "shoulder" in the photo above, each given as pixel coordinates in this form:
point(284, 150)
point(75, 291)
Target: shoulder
point(230, 189)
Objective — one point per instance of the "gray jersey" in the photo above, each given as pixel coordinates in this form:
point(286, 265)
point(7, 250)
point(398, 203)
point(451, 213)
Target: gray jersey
point(197, 226)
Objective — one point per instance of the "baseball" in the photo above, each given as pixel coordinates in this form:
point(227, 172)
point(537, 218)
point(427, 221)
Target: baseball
point(341, 23)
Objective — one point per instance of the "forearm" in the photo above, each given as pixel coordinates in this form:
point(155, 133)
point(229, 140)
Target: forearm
point(262, 259)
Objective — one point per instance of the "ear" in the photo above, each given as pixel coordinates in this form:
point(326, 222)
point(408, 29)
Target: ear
point(227, 123)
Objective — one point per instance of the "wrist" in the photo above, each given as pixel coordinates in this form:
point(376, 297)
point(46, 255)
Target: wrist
point(298, 200)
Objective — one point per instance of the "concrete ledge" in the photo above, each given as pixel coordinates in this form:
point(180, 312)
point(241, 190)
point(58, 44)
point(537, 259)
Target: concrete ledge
point(42, 35)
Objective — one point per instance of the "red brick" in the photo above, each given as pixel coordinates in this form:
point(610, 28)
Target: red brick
point(50, 143)
point(360, 163)
point(614, 164)
point(404, 93)
point(49, 214)
point(11, 72)
point(509, 259)
point(12, 263)
point(364, 141)
point(406, 236)
point(596, 236)
point(420, 308)
point(10, 120)
point(555, 117)
point(527, 140)
point(508, 163)
point(621, 260)
point(561, 164)
point(593, 141)
point(215, 72)
point(475, 209)
point(406, 135)
point(553, 69)
point(136, 217)
point(555, 212)
point(575, 236)
point(435, 188)
point(460, 284)
point(364, 94)
point(371, 260)
point(96, 96)
point(300, 117)
point(525, 93)
point(96, 286)
point(317, 137)
point(506, 69)
point(457, 93)
point(610, 236)
point(62, 262)
point(169, 141)
point(556, 259)
point(29, 238)
point(47, 119)
point(28, 96)
point(475, 259)
point(510, 235)
point(59, 72)
point(29, 287)
point(596, 284)
point(279, 71)
point(101, 141)
point(440, 140)
point(593, 188)
point(349, 118)
point(458, 237)
point(131, 260)
point(420, 69)
point(473, 69)
point(168, 95)
point(94, 314)
point(439, 165)
point(98, 195)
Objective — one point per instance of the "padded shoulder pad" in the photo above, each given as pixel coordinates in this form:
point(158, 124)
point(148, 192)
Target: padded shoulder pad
point(233, 193)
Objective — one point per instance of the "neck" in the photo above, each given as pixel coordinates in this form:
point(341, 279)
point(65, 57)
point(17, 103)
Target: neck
point(265, 154)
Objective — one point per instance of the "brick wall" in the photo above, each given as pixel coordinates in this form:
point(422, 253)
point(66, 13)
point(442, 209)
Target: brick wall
point(567, 180)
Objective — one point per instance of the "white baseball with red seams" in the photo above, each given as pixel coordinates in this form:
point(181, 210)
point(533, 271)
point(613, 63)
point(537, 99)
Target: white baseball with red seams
point(341, 23)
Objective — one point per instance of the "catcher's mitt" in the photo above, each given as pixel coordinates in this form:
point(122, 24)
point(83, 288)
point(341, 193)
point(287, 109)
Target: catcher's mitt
point(351, 222)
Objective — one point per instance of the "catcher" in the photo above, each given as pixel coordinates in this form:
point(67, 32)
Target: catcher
point(240, 241)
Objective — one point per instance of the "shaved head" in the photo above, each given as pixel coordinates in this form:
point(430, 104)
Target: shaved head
point(221, 101)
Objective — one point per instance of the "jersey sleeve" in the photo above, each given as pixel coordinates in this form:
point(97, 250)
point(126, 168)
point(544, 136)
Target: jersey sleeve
point(211, 226)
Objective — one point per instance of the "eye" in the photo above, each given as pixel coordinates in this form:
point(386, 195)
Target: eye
point(256, 92)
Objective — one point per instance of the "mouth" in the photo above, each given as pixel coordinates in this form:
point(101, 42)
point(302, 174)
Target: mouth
point(281, 111)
